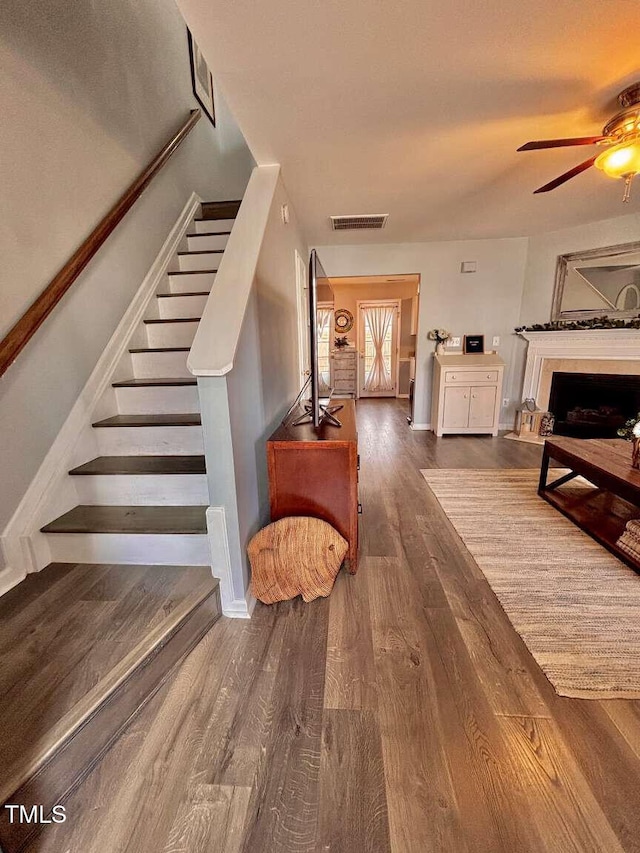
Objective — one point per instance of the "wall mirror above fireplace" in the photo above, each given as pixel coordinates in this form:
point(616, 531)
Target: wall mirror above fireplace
point(597, 283)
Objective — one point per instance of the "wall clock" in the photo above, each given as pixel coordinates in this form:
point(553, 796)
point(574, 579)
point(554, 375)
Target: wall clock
point(343, 320)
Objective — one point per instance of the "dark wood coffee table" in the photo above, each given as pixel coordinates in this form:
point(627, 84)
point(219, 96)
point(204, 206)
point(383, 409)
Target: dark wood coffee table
point(603, 511)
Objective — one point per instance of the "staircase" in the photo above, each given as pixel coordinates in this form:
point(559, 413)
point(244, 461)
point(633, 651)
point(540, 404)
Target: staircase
point(142, 500)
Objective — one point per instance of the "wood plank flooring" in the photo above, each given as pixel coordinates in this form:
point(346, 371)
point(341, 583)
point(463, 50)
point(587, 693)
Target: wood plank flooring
point(64, 629)
point(401, 714)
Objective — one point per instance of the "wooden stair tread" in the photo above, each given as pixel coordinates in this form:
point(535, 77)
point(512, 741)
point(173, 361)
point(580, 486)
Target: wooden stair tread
point(155, 382)
point(160, 349)
point(180, 295)
point(208, 233)
point(202, 252)
point(142, 465)
point(219, 210)
point(190, 272)
point(68, 745)
point(189, 520)
point(164, 420)
point(177, 320)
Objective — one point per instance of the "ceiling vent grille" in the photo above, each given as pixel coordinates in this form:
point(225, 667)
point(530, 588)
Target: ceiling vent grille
point(359, 223)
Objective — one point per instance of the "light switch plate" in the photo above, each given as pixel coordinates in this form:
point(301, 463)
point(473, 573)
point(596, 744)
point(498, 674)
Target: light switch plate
point(455, 342)
point(496, 341)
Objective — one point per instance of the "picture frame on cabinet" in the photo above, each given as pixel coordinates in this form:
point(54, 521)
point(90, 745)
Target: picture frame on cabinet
point(473, 344)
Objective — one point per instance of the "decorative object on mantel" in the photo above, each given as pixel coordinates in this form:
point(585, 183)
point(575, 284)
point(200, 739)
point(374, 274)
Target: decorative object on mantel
point(295, 556)
point(631, 431)
point(343, 320)
point(581, 325)
point(341, 341)
point(440, 336)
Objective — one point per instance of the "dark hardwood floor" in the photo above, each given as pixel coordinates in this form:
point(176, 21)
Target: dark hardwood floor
point(65, 629)
point(402, 714)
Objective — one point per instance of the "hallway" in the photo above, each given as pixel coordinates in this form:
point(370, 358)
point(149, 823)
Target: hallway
point(402, 714)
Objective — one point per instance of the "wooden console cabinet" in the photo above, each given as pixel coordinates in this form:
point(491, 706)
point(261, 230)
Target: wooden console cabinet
point(315, 472)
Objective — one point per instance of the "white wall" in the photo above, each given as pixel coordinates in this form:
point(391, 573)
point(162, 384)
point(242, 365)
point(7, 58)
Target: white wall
point(272, 314)
point(544, 249)
point(486, 302)
point(90, 92)
point(241, 409)
point(537, 294)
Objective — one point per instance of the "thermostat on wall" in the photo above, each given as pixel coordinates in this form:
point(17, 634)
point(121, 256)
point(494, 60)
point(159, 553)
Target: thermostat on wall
point(468, 266)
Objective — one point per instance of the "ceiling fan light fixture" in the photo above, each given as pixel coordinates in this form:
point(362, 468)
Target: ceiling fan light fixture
point(621, 161)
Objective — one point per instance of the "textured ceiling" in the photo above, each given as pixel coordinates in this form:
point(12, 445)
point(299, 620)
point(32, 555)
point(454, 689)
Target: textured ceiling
point(416, 108)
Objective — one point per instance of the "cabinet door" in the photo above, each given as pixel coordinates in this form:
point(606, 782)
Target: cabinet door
point(456, 408)
point(482, 406)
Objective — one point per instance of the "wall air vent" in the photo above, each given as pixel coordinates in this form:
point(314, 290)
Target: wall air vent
point(359, 223)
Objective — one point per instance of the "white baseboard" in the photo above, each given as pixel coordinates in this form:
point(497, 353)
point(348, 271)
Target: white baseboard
point(237, 608)
point(240, 608)
point(50, 493)
point(419, 427)
point(9, 577)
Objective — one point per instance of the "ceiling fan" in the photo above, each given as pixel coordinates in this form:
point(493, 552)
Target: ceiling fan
point(621, 135)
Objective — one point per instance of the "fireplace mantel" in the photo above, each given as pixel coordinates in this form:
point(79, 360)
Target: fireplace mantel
point(591, 344)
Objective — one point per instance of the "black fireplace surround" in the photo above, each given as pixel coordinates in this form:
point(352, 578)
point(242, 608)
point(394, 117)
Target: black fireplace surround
point(593, 405)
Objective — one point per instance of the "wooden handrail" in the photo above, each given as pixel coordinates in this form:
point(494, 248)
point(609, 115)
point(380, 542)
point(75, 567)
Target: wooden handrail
point(16, 339)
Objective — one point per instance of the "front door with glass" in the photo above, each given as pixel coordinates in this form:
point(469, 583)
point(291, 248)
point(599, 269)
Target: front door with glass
point(378, 348)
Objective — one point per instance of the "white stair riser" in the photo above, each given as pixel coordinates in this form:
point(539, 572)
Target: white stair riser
point(196, 282)
point(130, 548)
point(135, 441)
point(207, 241)
point(155, 365)
point(165, 399)
point(171, 334)
point(175, 307)
point(205, 261)
point(142, 489)
point(208, 225)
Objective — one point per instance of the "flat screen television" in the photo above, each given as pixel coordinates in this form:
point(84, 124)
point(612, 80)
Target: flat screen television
point(317, 409)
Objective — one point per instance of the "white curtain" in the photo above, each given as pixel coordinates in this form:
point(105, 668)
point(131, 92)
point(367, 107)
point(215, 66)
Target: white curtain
point(378, 320)
point(324, 321)
point(324, 318)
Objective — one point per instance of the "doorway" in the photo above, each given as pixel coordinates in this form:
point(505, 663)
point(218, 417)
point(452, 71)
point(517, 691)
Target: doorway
point(378, 347)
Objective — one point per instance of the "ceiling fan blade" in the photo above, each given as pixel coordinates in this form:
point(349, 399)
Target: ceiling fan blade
point(582, 167)
point(560, 143)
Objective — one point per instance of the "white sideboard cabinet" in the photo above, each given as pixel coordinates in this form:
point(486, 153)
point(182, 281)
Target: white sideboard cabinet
point(467, 394)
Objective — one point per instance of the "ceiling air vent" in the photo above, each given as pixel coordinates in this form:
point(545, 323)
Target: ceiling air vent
point(359, 223)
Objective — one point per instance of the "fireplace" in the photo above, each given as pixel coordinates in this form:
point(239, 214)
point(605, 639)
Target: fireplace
point(593, 405)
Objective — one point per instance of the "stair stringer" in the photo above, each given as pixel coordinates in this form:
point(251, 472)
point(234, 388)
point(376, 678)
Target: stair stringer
point(52, 492)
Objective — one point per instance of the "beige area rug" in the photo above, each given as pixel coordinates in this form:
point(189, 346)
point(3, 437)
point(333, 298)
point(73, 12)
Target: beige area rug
point(575, 605)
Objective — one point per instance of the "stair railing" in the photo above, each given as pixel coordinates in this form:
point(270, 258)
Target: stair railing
point(22, 332)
